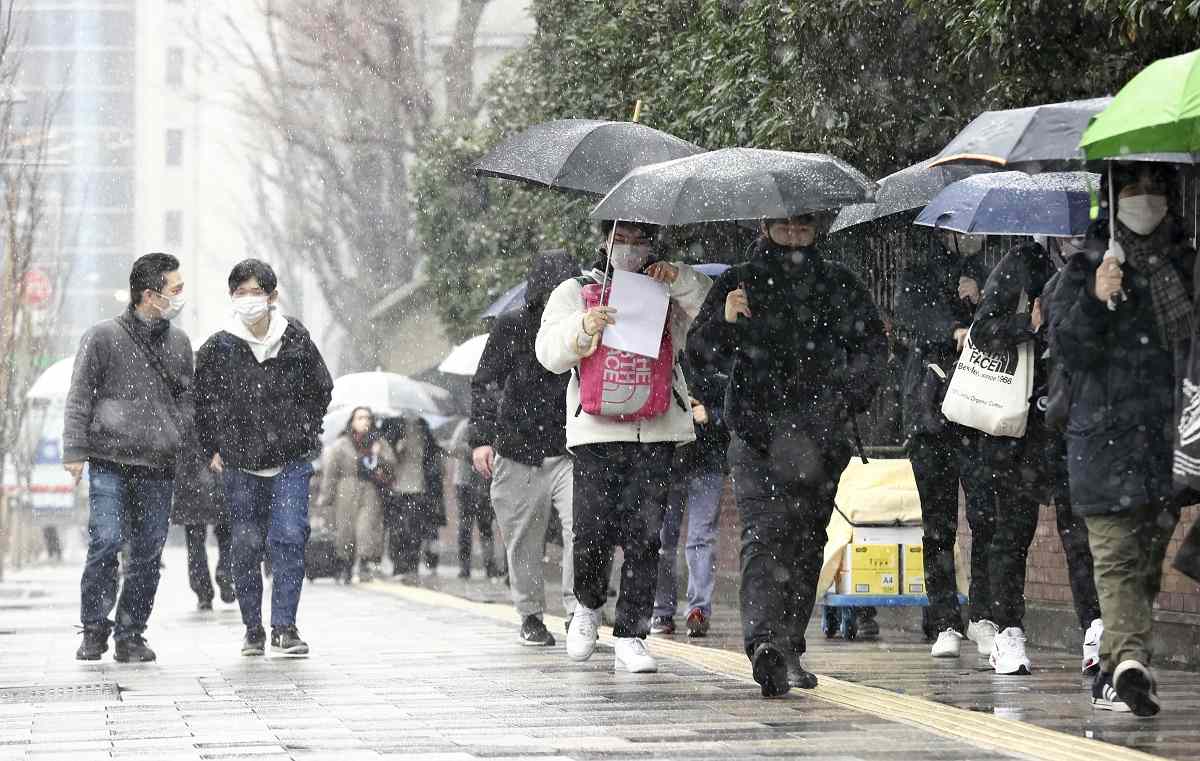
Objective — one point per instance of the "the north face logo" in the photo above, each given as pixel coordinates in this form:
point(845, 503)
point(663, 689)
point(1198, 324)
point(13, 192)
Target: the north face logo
point(627, 380)
point(1003, 362)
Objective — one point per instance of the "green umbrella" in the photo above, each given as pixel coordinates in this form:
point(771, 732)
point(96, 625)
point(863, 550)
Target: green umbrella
point(1158, 111)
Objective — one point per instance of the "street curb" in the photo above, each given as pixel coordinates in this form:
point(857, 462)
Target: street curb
point(977, 729)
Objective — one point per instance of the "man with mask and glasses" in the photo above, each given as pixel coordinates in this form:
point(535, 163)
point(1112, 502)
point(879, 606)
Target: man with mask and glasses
point(262, 389)
point(805, 339)
point(128, 413)
point(622, 467)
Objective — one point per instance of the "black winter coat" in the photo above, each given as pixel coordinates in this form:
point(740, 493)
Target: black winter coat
point(928, 311)
point(1120, 429)
point(518, 406)
point(260, 416)
point(199, 497)
point(810, 353)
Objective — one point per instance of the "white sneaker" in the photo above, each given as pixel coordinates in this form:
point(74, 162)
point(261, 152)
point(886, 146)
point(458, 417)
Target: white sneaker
point(947, 644)
point(1091, 647)
point(983, 634)
point(1008, 653)
point(631, 655)
point(583, 633)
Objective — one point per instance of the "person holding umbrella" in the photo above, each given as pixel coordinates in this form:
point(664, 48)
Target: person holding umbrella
point(804, 336)
point(622, 467)
point(1122, 333)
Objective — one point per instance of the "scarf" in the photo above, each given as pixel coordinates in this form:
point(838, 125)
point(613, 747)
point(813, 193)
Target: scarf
point(1151, 255)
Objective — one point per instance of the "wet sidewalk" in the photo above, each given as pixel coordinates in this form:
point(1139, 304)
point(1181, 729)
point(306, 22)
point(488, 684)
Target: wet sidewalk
point(413, 673)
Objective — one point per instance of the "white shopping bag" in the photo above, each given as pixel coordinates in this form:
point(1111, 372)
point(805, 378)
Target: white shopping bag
point(990, 390)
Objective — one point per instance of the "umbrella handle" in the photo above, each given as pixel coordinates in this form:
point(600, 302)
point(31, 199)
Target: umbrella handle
point(612, 234)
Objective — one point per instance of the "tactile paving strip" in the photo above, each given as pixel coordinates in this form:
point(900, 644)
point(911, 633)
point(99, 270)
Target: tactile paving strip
point(61, 693)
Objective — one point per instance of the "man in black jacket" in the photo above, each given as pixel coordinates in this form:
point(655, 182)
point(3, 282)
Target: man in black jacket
point(261, 392)
point(128, 412)
point(805, 337)
point(518, 440)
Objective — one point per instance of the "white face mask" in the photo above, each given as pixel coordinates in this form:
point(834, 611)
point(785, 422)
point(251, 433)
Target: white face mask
point(176, 305)
point(250, 309)
point(969, 245)
point(1142, 214)
point(1071, 246)
point(630, 258)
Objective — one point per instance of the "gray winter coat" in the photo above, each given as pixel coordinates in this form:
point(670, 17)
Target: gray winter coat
point(119, 407)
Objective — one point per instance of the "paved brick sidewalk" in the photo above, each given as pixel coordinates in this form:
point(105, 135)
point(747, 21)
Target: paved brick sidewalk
point(398, 675)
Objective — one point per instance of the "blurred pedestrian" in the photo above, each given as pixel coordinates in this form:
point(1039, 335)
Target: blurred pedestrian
point(1122, 331)
point(936, 297)
point(357, 470)
point(406, 504)
point(622, 466)
point(262, 389)
point(54, 552)
point(518, 441)
point(474, 505)
point(199, 502)
point(696, 488)
point(128, 412)
point(804, 336)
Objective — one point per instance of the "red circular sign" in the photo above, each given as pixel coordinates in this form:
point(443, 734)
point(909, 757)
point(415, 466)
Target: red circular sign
point(36, 288)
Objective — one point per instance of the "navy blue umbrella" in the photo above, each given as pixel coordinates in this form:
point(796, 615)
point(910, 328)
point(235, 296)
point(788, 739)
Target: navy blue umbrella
point(515, 296)
point(1014, 203)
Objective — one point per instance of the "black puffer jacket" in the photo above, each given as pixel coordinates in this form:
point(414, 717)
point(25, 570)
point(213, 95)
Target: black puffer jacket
point(810, 351)
point(1120, 430)
point(928, 311)
point(260, 416)
point(518, 406)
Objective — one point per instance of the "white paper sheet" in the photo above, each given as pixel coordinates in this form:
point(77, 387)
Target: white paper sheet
point(641, 303)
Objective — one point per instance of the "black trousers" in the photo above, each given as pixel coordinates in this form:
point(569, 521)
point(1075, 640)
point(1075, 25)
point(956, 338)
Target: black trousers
point(1072, 531)
point(475, 508)
point(620, 494)
point(404, 521)
point(783, 543)
point(197, 557)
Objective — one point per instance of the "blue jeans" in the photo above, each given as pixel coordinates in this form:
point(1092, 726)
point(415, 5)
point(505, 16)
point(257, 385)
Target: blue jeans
point(702, 495)
point(128, 504)
point(269, 515)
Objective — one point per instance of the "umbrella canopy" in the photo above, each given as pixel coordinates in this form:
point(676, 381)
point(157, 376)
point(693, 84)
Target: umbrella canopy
point(734, 184)
point(513, 298)
point(1157, 111)
point(1014, 203)
point(1032, 139)
point(587, 155)
point(464, 358)
point(386, 393)
point(54, 382)
point(335, 421)
point(905, 190)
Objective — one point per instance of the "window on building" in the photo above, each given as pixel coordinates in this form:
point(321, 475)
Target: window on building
point(173, 228)
point(174, 147)
point(175, 67)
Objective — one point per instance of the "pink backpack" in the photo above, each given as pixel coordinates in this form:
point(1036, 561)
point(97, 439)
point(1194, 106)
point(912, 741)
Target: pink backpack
point(623, 386)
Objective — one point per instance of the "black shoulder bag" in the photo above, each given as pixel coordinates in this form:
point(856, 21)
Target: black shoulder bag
point(175, 387)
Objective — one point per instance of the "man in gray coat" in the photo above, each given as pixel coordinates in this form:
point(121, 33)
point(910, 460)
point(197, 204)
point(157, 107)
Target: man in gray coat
point(128, 411)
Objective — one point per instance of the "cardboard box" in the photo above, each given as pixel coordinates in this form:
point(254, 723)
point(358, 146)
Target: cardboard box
point(870, 569)
point(913, 569)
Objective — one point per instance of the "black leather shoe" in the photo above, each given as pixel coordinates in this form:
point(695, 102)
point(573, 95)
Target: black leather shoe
point(798, 676)
point(133, 650)
point(770, 670)
point(286, 641)
point(94, 645)
point(255, 642)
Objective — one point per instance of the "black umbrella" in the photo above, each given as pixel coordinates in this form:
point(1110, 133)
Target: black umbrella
point(587, 155)
point(905, 190)
point(734, 184)
point(1036, 138)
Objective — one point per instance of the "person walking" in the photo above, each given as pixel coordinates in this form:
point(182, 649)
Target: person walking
point(804, 336)
point(936, 298)
point(622, 467)
point(356, 470)
point(262, 389)
point(406, 503)
point(474, 501)
point(199, 503)
point(129, 411)
point(696, 489)
point(518, 441)
point(1122, 333)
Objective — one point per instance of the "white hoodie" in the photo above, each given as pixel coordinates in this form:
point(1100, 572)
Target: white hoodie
point(561, 344)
